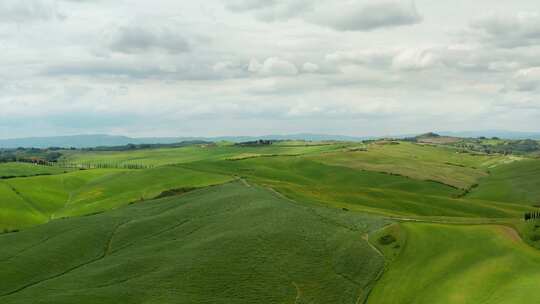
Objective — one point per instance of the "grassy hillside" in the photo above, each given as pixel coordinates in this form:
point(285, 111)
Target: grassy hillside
point(226, 244)
point(282, 223)
point(35, 200)
point(25, 169)
point(15, 212)
point(400, 180)
point(517, 182)
point(157, 157)
point(420, 162)
point(461, 264)
point(309, 180)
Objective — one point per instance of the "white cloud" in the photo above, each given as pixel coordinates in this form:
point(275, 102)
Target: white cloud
point(355, 64)
point(255, 66)
point(414, 59)
point(379, 56)
point(359, 16)
point(353, 15)
point(503, 66)
point(136, 39)
point(508, 30)
point(25, 11)
point(527, 79)
point(309, 67)
point(273, 66)
point(271, 10)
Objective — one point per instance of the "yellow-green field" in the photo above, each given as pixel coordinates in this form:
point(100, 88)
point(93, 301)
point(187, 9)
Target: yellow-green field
point(12, 170)
point(159, 157)
point(36, 200)
point(458, 264)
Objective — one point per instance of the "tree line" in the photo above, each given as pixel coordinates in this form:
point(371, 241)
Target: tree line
point(532, 216)
point(30, 155)
point(103, 165)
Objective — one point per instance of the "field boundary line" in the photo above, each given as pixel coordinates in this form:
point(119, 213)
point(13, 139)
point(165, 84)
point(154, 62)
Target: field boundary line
point(27, 201)
point(298, 293)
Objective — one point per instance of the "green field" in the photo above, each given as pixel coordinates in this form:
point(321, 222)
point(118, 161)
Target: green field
point(431, 163)
point(159, 157)
point(11, 170)
point(517, 182)
point(36, 200)
point(461, 264)
point(307, 179)
point(293, 222)
point(225, 244)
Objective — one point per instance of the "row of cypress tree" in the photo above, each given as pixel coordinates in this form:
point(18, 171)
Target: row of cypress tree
point(532, 216)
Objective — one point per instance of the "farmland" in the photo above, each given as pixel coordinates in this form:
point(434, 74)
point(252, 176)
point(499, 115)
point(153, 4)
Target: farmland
point(460, 264)
point(233, 243)
point(12, 170)
point(36, 200)
point(277, 222)
point(159, 157)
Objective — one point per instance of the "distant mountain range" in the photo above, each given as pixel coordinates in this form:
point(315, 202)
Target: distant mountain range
point(100, 140)
point(494, 133)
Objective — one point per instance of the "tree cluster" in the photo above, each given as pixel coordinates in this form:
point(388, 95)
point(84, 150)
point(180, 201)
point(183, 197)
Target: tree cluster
point(103, 165)
point(132, 147)
point(529, 216)
point(29, 155)
point(260, 142)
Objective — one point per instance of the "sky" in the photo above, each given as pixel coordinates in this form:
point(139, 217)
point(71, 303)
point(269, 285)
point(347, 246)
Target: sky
point(255, 67)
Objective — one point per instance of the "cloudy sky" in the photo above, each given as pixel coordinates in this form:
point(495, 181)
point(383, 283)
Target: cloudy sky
point(253, 67)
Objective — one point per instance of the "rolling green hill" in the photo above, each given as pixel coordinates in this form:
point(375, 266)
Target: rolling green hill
point(8, 170)
point(460, 264)
point(422, 162)
point(516, 182)
point(158, 157)
point(35, 200)
point(282, 223)
point(307, 179)
point(233, 243)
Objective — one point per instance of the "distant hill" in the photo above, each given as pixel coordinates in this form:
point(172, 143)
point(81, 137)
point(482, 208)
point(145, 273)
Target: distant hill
point(428, 135)
point(99, 140)
point(434, 138)
point(79, 141)
point(494, 133)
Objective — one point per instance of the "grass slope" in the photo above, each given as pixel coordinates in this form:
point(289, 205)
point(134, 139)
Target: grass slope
point(227, 244)
point(309, 180)
point(420, 162)
point(158, 157)
point(35, 200)
point(25, 169)
point(516, 182)
point(461, 264)
point(15, 212)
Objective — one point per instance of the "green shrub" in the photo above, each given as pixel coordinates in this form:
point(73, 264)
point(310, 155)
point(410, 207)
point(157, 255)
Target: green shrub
point(535, 237)
point(387, 240)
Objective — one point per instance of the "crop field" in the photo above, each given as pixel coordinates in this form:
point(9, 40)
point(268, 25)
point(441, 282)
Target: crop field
point(289, 222)
point(11, 170)
point(517, 182)
point(430, 163)
point(159, 157)
point(308, 180)
point(234, 243)
point(461, 264)
point(42, 198)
